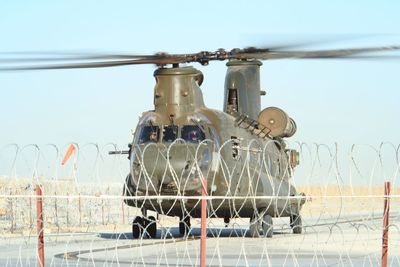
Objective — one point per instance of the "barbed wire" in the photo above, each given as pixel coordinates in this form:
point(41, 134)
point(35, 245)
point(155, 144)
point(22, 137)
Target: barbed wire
point(87, 223)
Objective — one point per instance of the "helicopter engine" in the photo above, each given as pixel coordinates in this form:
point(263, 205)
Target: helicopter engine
point(242, 88)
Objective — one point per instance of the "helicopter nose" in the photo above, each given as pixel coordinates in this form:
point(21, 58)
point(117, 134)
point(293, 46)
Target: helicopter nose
point(197, 165)
point(183, 170)
point(175, 169)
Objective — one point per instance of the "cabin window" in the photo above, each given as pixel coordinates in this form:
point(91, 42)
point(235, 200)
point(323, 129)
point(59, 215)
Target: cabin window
point(170, 133)
point(149, 134)
point(192, 133)
point(235, 147)
point(214, 137)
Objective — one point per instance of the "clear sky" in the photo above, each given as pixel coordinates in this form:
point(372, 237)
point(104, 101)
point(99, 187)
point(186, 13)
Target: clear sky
point(331, 100)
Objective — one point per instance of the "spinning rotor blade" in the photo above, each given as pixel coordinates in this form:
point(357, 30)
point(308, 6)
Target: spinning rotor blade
point(99, 64)
point(111, 60)
point(39, 57)
point(266, 54)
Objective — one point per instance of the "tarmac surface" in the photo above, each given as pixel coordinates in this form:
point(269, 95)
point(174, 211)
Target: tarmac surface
point(349, 242)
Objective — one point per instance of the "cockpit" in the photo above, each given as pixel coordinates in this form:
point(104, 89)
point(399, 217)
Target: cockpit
point(169, 133)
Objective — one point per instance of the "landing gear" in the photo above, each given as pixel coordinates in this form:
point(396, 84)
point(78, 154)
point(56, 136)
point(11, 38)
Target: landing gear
point(227, 220)
point(151, 227)
point(184, 225)
point(137, 227)
point(296, 223)
point(144, 225)
point(256, 224)
point(254, 228)
point(267, 226)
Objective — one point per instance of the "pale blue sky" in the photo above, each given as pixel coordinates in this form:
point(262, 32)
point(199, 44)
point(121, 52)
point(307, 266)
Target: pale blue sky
point(338, 100)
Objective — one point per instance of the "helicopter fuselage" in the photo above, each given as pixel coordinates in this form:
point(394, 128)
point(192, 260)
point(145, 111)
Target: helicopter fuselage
point(182, 142)
point(237, 165)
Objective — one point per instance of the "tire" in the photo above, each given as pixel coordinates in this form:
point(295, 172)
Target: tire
point(151, 227)
point(296, 224)
point(184, 226)
point(267, 226)
point(254, 228)
point(137, 227)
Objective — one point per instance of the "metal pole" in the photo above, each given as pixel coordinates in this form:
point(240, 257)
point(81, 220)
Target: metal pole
point(80, 210)
point(12, 213)
point(39, 222)
point(56, 210)
point(203, 224)
point(385, 238)
point(67, 209)
point(123, 212)
point(102, 212)
point(30, 214)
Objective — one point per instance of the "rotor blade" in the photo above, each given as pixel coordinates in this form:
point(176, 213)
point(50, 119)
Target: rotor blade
point(159, 61)
point(65, 56)
point(368, 58)
point(318, 54)
point(285, 42)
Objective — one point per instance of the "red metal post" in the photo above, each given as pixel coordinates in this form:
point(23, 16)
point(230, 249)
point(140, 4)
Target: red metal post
point(39, 222)
point(385, 238)
point(203, 232)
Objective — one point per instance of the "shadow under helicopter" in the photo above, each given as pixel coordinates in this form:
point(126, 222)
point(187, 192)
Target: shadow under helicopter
point(173, 233)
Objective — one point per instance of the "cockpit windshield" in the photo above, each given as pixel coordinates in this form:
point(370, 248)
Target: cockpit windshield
point(149, 134)
point(192, 133)
point(170, 133)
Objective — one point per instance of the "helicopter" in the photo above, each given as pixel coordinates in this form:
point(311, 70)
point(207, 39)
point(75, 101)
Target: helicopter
point(240, 151)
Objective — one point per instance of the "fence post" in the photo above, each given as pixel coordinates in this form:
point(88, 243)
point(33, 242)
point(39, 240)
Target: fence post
point(385, 237)
point(39, 222)
point(30, 214)
point(102, 211)
point(80, 210)
point(203, 234)
point(67, 209)
point(123, 211)
point(12, 212)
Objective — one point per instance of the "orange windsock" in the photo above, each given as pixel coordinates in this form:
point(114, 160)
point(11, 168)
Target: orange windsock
point(69, 153)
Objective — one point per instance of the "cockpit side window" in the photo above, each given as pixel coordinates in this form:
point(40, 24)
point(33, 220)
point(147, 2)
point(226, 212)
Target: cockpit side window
point(149, 134)
point(192, 133)
point(170, 133)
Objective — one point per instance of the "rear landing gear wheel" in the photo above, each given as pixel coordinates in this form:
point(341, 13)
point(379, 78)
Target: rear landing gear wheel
point(296, 224)
point(254, 228)
point(137, 227)
point(267, 226)
point(184, 226)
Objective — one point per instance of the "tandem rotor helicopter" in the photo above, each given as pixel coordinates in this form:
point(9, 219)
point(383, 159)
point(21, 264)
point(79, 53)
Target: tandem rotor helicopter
point(240, 151)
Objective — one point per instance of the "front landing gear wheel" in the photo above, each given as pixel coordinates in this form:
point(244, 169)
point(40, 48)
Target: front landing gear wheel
point(267, 226)
point(137, 227)
point(296, 224)
point(184, 226)
point(151, 227)
point(254, 228)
